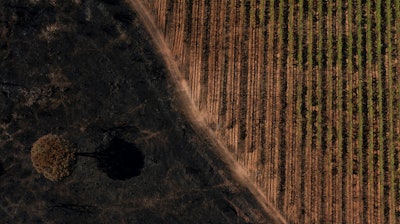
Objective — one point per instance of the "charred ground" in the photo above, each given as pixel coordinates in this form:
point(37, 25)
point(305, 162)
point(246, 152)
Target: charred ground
point(86, 70)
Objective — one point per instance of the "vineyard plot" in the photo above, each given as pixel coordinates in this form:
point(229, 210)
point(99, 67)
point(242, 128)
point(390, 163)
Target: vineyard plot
point(304, 93)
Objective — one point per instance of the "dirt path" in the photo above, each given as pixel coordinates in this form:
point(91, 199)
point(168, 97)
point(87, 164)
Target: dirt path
point(197, 119)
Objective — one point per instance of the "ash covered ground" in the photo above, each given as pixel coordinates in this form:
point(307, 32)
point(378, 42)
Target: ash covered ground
point(87, 70)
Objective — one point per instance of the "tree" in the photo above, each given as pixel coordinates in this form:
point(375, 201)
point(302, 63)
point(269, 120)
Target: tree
point(53, 156)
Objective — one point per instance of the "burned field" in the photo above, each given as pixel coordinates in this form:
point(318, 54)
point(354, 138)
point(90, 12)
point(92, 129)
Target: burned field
point(304, 93)
point(86, 71)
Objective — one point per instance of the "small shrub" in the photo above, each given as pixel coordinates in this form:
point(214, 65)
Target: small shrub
point(53, 157)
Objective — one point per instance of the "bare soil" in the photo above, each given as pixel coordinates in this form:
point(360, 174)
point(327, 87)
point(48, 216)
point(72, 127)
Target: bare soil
point(330, 158)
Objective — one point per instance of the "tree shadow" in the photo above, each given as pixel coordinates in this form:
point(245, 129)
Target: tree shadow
point(1, 169)
point(121, 160)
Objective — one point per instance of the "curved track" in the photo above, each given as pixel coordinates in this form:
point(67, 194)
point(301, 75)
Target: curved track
point(194, 115)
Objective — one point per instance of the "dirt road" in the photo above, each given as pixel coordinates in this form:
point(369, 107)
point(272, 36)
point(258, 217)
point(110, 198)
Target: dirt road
point(193, 114)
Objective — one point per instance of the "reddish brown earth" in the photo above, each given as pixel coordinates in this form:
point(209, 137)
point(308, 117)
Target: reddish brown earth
point(298, 92)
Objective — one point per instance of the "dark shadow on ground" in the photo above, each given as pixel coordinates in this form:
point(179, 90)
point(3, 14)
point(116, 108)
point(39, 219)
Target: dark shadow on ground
point(1, 169)
point(120, 160)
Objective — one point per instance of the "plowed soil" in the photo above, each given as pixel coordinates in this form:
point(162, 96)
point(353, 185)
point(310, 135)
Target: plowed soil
point(305, 94)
